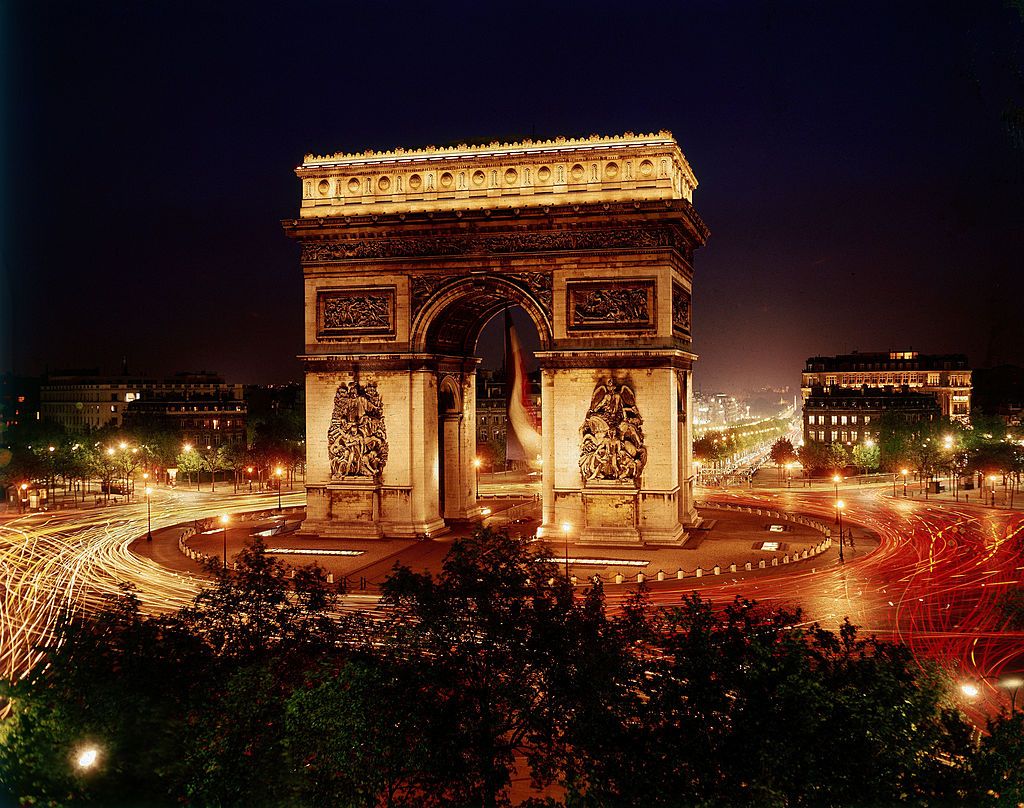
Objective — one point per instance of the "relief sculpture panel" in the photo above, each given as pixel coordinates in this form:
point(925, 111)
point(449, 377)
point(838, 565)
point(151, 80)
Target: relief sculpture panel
point(356, 312)
point(612, 445)
point(680, 309)
point(357, 439)
point(610, 305)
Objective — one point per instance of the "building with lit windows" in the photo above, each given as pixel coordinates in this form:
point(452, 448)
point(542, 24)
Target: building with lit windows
point(852, 415)
point(84, 400)
point(945, 377)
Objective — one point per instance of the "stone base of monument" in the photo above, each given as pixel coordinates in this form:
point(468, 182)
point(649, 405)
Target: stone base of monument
point(360, 508)
point(611, 516)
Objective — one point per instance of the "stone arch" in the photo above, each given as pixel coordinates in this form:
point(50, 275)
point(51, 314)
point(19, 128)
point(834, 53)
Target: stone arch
point(451, 320)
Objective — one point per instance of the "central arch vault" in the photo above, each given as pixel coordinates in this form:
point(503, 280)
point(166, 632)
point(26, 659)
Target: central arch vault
point(407, 254)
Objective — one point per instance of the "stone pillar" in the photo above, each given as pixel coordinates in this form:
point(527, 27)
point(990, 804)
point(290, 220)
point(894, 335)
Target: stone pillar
point(603, 510)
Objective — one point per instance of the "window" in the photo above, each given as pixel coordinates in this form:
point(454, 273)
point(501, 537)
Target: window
point(834, 434)
point(845, 437)
point(842, 420)
point(867, 419)
point(853, 435)
point(834, 421)
point(853, 419)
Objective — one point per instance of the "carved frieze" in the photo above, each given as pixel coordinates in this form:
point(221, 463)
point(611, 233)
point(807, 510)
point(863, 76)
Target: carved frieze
point(357, 439)
point(612, 438)
point(538, 284)
point(610, 305)
point(356, 312)
point(680, 308)
point(615, 238)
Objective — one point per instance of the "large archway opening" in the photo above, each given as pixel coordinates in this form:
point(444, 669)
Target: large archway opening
point(486, 332)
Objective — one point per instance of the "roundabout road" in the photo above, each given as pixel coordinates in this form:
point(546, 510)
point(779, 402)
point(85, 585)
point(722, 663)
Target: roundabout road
point(933, 582)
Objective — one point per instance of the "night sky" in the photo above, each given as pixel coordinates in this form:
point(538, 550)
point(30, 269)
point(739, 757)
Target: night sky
point(862, 184)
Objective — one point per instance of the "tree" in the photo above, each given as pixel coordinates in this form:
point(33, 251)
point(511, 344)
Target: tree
point(213, 458)
point(867, 456)
point(782, 452)
point(814, 456)
point(837, 457)
point(501, 639)
point(190, 463)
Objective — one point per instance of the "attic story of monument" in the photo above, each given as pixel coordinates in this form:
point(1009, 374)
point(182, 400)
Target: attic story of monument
point(407, 254)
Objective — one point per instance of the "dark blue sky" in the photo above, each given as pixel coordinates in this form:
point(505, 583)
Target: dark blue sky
point(856, 169)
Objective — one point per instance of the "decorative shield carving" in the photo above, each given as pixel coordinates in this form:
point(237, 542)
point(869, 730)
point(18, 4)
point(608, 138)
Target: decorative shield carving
point(357, 440)
point(610, 305)
point(612, 444)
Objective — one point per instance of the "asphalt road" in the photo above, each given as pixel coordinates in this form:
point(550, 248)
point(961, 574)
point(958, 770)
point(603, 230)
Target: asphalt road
point(933, 582)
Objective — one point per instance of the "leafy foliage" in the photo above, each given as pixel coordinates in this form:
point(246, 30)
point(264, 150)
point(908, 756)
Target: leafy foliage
point(261, 694)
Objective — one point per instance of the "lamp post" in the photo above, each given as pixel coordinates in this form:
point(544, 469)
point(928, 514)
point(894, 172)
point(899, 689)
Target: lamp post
point(23, 497)
point(476, 465)
point(836, 479)
point(277, 473)
point(248, 471)
point(566, 527)
point(224, 519)
point(839, 516)
point(992, 481)
point(149, 515)
point(1011, 684)
point(904, 473)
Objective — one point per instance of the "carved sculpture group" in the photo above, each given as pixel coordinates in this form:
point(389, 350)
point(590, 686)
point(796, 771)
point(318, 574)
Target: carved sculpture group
point(357, 440)
point(612, 445)
point(626, 304)
point(357, 311)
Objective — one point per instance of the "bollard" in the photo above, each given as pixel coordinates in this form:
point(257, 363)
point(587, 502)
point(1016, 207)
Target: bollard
point(761, 564)
point(330, 577)
point(640, 578)
point(618, 577)
point(572, 580)
point(775, 561)
point(803, 554)
point(747, 567)
point(680, 574)
point(732, 568)
point(717, 570)
point(699, 572)
point(661, 575)
point(785, 559)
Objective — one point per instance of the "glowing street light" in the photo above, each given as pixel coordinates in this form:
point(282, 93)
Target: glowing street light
point(149, 515)
point(277, 473)
point(87, 757)
point(904, 473)
point(566, 528)
point(224, 519)
point(1011, 684)
point(477, 462)
point(248, 471)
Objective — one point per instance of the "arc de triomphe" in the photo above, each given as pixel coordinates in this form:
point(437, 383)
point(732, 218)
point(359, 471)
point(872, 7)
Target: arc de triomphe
point(407, 254)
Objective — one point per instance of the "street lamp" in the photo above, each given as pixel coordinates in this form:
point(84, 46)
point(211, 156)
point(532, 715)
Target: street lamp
point(904, 473)
point(248, 471)
point(992, 480)
point(836, 479)
point(224, 519)
point(187, 449)
point(24, 497)
point(1011, 684)
point(839, 516)
point(149, 515)
point(566, 527)
point(476, 464)
point(277, 473)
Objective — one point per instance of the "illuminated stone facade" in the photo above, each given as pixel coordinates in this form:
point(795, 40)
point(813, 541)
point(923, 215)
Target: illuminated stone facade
point(946, 377)
point(406, 256)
